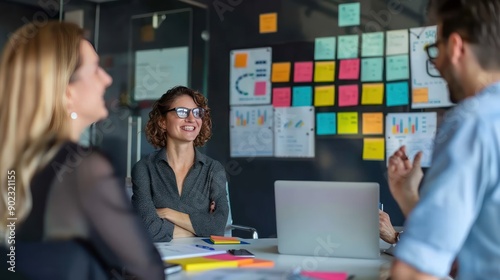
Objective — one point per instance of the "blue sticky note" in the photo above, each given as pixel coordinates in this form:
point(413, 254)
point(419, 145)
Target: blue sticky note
point(372, 44)
point(325, 48)
point(397, 68)
point(372, 69)
point(349, 14)
point(302, 96)
point(326, 124)
point(348, 46)
point(397, 94)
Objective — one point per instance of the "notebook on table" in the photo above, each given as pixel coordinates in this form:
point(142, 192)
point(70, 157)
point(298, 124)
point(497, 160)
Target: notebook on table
point(328, 219)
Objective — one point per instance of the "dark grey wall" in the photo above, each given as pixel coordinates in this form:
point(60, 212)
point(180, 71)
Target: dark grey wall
point(234, 25)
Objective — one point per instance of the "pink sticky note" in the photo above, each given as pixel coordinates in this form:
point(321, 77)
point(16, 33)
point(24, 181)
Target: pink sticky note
point(348, 95)
point(303, 72)
point(282, 97)
point(349, 69)
point(260, 88)
point(323, 275)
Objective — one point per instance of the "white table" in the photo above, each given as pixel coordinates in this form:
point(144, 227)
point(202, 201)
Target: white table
point(266, 248)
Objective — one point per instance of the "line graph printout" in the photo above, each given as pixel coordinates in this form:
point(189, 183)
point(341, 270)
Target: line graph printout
point(294, 131)
point(429, 89)
point(250, 72)
point(414, 130)
point(251, 131)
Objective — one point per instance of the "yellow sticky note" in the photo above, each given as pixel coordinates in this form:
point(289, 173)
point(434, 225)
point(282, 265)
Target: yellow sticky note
point(324, 96)
point(373, 123)
point(240, 60)
point(281, 72)
point(372, 94)
point(373, 149)
point(347, 123)
point(268, 23)
point(420, 95)
point(324, 71)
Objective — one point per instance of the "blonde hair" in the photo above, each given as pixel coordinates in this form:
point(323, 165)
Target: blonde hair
point(37, 65)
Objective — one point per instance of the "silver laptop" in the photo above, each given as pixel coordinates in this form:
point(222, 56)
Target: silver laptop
point(327, 219)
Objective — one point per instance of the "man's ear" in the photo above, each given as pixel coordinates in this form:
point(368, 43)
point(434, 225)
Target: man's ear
point(455, 48)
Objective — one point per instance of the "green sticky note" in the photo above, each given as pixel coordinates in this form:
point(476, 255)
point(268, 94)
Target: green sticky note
point(349, 14)
point(397, 94)
point(302, 96)
point(372, 69)
point(348, 46)
point(326, 124)
point(372, 44)
point(397, 68)
point(325, 48)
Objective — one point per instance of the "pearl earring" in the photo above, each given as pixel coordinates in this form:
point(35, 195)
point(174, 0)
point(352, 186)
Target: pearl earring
point(73, 115)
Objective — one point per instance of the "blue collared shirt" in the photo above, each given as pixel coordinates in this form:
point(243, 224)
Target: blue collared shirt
point(458, 215)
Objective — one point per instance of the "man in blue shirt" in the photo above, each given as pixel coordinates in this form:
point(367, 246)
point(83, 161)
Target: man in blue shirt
point(457, 216)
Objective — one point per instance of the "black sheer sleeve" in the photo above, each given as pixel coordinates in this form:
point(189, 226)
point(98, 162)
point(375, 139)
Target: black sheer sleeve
point(120, 237)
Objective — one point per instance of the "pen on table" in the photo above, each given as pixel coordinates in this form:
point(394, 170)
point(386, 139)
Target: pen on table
point(204, 247)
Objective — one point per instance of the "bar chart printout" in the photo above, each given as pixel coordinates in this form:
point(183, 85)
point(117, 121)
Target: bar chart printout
point(251, 131)
point(414, 130)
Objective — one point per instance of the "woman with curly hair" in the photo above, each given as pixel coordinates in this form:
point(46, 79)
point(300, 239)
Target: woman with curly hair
point(178, 191)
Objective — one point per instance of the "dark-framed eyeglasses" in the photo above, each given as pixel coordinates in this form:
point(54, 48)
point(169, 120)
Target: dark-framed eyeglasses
point(432, 50)
point(183, 112)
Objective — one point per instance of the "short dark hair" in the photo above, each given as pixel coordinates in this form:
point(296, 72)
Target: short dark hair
point(157, 136)
point(477, 22)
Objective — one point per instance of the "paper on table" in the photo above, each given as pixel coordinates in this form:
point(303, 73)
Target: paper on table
point(178, 251)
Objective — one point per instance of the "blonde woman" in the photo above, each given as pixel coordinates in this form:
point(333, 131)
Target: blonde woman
point(52, 87)
point(179, 191)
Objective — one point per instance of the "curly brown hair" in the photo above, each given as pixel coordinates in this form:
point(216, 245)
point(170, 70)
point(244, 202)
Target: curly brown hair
point(157, 135)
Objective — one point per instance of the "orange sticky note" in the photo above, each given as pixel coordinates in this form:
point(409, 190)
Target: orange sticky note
point(349, 69)
point(268, 23)
point(282, 97)
point(420, 95)
point(240, 60)
point(324, 96)
point(348, 95)
point(372, 94)
point(373, 123)
point(281, 72)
